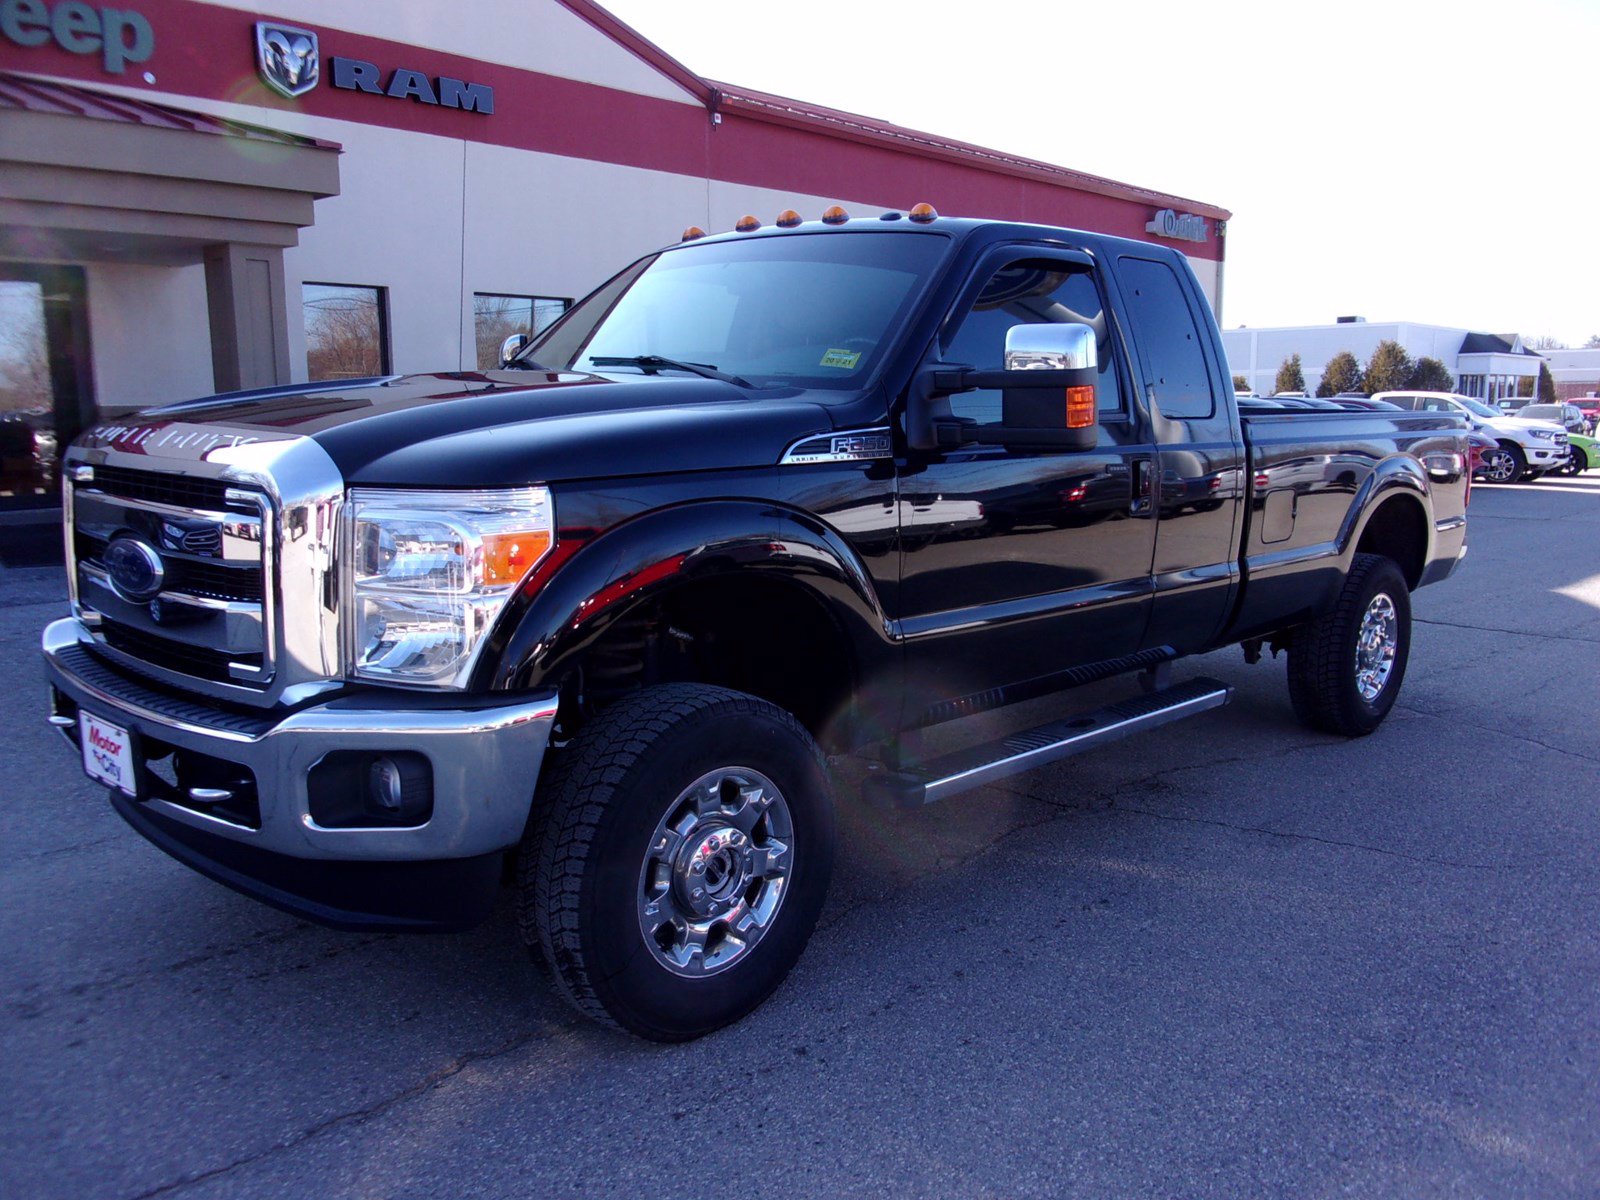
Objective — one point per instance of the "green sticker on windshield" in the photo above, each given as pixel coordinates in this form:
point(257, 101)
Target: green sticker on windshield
point(847, 359)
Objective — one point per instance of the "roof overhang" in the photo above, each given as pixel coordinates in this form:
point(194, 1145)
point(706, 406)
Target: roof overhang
point(89, 175)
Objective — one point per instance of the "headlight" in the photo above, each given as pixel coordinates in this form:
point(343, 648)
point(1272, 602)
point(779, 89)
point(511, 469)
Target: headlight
point(1544, 435)
point(428, 573)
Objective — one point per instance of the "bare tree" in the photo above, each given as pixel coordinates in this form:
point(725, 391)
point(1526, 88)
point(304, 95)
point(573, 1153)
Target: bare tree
point(1542, 342)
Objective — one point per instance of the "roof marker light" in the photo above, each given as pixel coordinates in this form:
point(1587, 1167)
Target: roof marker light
point(694, 231)
point(924, 212)
point(788, 219)
point(747, 224)
point(835, 216)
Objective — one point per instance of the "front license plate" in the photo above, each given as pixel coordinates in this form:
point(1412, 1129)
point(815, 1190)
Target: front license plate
point(107, 753)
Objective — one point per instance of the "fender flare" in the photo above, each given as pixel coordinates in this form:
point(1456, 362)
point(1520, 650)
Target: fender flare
point(1397, 475)
point(542, 632)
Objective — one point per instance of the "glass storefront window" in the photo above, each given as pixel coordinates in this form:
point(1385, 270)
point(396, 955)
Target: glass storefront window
point(347, 331)
point(496, 317)
point(46, 396)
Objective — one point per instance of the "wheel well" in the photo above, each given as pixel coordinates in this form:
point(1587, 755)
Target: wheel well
point(1398, 530)
point(768, 637)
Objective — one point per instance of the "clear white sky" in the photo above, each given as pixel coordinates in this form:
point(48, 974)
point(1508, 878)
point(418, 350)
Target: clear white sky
point(1406, 160)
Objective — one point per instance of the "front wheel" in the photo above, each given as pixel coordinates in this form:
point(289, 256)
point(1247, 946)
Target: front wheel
point(1504, 464)
point(683, 860)
point(1346, 667)
point(1577, 462)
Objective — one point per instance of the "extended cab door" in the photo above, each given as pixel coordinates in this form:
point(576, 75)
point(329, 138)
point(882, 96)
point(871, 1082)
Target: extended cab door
point(1022, 563)
point(1201, 483)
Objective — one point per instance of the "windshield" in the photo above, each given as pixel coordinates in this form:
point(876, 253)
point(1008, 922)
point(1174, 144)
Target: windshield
point(1477, 406)
point(806, 310)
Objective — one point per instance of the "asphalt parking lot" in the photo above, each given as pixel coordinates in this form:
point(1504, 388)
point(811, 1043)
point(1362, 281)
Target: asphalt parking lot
point(1232, 958)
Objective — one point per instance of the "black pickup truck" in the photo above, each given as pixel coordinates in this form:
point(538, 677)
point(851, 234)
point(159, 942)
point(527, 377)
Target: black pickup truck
point(629, 613)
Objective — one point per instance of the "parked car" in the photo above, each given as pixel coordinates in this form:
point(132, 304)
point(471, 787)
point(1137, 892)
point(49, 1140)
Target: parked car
point(1589, 406)
point(1479, 446)
point(1569, 416)
point(1585, 454)
point(1527, 449)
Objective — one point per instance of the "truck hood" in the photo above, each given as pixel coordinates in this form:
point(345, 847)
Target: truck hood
point(508, 428)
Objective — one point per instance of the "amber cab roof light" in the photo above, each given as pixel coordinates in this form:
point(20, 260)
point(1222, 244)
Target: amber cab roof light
point(788, 219)
point(835, 215)
point(747, 224)
point(924, 212)
point(694, 231)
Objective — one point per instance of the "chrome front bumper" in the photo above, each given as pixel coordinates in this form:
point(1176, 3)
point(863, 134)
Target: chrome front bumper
point(485, 760)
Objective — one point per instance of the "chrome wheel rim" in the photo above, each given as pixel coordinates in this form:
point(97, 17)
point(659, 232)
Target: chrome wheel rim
point(716, 872)
point(1376, 647)
point(1499, 466)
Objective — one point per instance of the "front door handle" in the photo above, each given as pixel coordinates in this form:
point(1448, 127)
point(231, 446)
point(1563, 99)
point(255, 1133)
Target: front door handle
point(1143, 487)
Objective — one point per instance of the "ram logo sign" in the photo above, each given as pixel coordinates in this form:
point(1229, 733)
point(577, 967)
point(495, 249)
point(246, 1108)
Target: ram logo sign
point(287, 58)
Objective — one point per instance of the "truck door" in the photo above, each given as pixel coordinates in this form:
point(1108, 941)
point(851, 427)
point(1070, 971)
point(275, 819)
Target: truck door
point(1018, 564)
point(1201, 483)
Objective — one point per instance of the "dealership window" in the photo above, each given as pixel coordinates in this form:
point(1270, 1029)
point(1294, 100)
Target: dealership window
point(347, 331)
point(496, 317)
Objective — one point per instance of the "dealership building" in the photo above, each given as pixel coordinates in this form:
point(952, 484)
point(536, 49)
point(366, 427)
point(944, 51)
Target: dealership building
point(1490, 366)
point(199, 196)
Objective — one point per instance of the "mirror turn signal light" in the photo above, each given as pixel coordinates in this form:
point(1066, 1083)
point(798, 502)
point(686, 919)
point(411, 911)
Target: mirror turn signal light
point(835, 216)
point(1080, 407)
point(747, 224)
point(788, 219)
point(694, 231)
point(924, 212)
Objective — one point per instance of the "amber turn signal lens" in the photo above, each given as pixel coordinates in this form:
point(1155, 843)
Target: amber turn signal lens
point(835, 216)
point(1080, 407)
point(694, 231)
point(747, 224)
point(788, 219)
point(507, 557)
point(924, 213)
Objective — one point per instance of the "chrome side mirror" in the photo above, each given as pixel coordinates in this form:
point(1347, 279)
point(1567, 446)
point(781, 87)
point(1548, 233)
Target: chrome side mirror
point(1051, 348)
point(512, 347)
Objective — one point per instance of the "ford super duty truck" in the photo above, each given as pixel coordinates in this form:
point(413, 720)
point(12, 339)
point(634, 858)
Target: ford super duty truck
point(631, 612)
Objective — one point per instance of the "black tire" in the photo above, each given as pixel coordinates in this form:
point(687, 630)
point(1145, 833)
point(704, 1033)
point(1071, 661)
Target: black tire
point(581, 876)
point(1577, 462)
point(1505, 464)
point(1323, 666)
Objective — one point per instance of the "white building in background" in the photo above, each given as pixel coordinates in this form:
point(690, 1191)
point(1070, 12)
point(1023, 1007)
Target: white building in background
point(1487, 365)
point(1576, 372)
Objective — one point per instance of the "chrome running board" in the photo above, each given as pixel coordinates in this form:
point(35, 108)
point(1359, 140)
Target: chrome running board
point(940, 778)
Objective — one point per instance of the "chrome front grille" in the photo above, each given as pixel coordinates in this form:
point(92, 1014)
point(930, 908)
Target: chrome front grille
point(209, 618)
point(207, 559)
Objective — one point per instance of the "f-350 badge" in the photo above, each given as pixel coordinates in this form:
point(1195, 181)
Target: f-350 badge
point(287, 58)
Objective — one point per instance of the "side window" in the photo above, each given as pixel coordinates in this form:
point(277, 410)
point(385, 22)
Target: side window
point(1166, 332)
point(1029, 292)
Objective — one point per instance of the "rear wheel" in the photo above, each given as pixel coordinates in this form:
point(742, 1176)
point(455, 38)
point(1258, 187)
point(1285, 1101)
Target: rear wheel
point(1504, 464)
point(1346, 667)
point(1577, 462)
point(683, 860)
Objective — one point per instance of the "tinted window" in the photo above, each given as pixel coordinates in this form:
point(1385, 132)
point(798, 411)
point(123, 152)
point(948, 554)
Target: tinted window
point(1169, 338)
point(347, 331)
point(1028, 292)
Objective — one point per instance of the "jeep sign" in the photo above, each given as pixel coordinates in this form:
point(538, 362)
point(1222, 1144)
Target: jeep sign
point(119, 36)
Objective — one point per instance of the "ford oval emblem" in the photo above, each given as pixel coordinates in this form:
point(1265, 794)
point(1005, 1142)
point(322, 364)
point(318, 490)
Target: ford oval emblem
point(135, 568)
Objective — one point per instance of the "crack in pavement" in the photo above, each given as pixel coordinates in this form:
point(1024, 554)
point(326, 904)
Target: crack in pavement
point(359, 1116)
point(1310, 837)
point(1554, 637)
point(1454, 719)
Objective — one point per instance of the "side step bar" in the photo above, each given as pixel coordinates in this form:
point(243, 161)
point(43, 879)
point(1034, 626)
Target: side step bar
point(943, 777)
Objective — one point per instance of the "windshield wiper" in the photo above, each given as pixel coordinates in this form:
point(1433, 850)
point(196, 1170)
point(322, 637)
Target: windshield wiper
point(653, 363)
